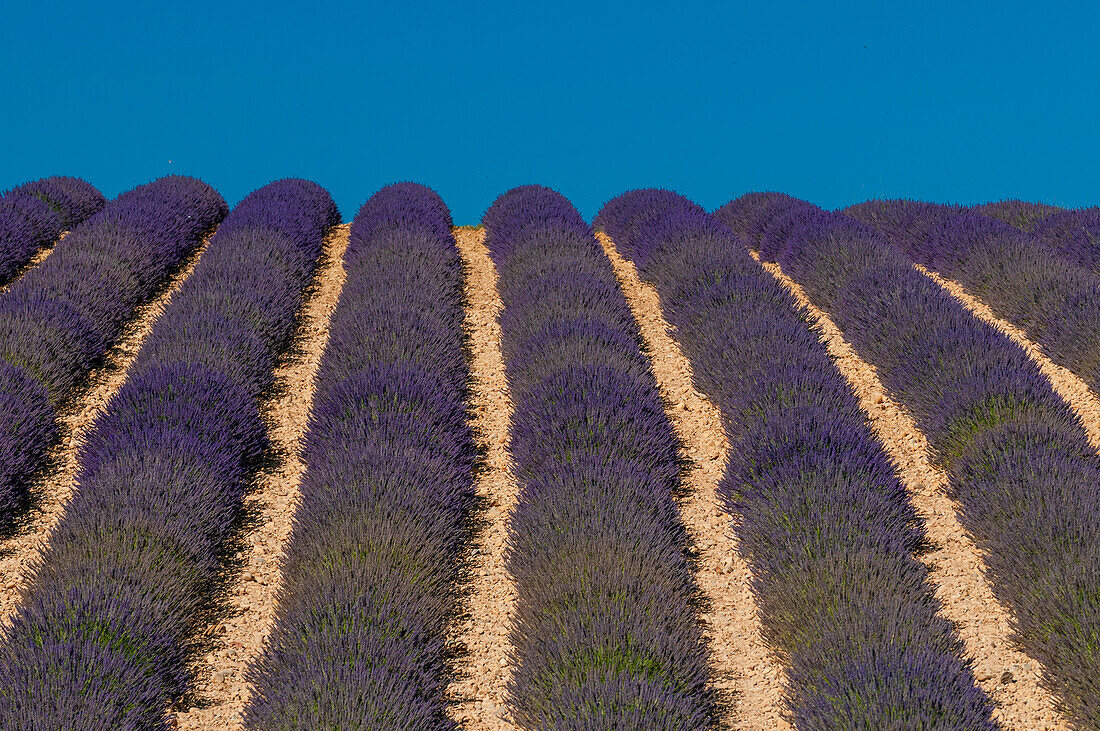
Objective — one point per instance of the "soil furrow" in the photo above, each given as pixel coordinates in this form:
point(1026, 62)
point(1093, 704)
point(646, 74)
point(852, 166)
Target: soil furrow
point(239, 636)
point(482, 635)
point(956, 567)
point(52, 492)
point(745, 674)
point(1074, 391)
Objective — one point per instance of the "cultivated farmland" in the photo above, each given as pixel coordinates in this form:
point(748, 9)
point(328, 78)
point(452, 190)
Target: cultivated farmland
point(765, 467)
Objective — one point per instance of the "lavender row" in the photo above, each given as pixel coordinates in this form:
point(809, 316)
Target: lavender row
point(826, 526)
point(71, 199)
point(1023, 215)
point(104, 635)
point(1019, 464)
point(1022, 280)
point(1073, 236)
point(371, 574)
point(34, 214)
point(605, 632)
point(58, 321)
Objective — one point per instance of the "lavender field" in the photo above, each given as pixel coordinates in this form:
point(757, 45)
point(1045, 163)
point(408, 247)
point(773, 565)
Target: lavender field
point(764, 467)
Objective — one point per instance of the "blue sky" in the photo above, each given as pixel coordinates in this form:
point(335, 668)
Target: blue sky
point(834, 102)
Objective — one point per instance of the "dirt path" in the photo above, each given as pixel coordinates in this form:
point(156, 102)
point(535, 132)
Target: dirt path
point(478, 695)
point(1074, 391)
point(239, 637)
point(745, 674)
point(53, 492)
point(1009, 676)
point(38, 258)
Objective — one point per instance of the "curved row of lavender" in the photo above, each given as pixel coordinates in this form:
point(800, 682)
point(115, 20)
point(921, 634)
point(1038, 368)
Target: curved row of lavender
point(72, 200)
point(1073, 236)
point(1023, 215)
point(605, 633)
point(1019, 464)
point(370, 580)
point(827, 528)
point(59, 320)
point(34, 214)
point(1022, 280)
point(106, 629)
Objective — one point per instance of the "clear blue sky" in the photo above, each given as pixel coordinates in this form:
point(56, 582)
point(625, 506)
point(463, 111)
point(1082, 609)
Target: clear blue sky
point(835, 102)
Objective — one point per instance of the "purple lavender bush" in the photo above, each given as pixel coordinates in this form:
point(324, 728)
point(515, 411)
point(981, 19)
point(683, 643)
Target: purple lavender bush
point(26, 225)
point(1022, 280)
point(58, 321)
point(826, 526)
point(370, 583)
point(755, 211)
point(34, 214)
point(74, 200)
point(605, 633)
point(1073, 236)
point(1018, 462)
point(1023, 215)
point(104, 637)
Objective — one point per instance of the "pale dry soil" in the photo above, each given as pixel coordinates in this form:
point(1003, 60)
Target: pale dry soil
point(52, 492)
point(743, 669)
point(238, 637)
point(478, 695)
point(956, 567)
point(1074, 391)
